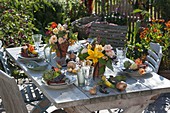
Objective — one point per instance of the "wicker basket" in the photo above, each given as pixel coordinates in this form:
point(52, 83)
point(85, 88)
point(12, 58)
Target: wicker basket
point(83, 25)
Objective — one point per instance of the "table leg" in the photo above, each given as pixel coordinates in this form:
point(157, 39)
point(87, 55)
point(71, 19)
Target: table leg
point(135, 109)
point(41, 106)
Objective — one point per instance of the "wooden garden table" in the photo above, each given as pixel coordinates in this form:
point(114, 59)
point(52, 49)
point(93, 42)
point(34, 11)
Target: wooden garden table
point(139, 93)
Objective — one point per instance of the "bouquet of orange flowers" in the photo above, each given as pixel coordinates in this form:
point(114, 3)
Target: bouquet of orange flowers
point(60, 34)
point(59, 37)
point(158, 31)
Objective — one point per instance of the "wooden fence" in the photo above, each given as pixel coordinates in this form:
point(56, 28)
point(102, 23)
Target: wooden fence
point(125, 7)
point(120, 11)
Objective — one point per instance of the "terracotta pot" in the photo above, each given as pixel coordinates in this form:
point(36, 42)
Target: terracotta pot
point(98, 67)
point(61, 53)
point(62, 49)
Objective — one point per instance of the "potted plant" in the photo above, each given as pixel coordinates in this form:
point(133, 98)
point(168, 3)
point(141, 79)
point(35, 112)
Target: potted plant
point(157, 31)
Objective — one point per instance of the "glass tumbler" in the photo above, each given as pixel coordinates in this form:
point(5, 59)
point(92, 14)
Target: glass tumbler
point(121, 55)
point(37, 40)
point(80, 78)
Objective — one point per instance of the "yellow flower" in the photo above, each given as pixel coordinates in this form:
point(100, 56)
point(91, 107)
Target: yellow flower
point(89, 46)
point(94, 55)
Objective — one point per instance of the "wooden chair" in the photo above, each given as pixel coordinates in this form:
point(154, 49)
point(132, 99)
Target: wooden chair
point(10, 94)
point(13, 99)
point(112, 33)
point(154, 56)
point(30, 93)
point(82, 25)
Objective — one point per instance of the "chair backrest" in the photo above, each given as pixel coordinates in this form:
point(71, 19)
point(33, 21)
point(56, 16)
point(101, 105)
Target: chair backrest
point(112, 33)
point(10, 94)
point(1, 44)
point(154, 56)
point(4, 61)
point(83, 24)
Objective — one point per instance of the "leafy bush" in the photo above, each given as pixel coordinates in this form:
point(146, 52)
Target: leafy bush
point(76, 9)
point(15, 27)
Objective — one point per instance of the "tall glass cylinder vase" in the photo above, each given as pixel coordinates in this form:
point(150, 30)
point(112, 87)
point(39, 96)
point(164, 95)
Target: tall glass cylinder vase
point(87, 72)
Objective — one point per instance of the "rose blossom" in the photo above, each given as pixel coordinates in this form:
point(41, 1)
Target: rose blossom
point(60, 40)
point(65, 26)
point(110, 53)
point(53, 39)
point(108, 47)
point(65, 36)
point(105, 57)
point(55, 31)
point(99, 48)
point(61, 28)
point(84, 51)
point(59, 25)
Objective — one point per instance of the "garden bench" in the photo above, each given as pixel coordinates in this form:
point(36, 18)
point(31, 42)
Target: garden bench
point(112, 33)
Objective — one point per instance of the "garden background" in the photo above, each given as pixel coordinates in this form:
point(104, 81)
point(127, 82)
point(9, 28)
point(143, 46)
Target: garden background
point(19, 19)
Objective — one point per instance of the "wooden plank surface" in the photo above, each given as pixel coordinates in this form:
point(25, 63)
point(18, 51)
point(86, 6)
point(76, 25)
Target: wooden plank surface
point(71, 96)
point(138, 87)
point(112, 33)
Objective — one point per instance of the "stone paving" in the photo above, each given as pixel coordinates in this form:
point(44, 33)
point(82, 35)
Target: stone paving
point(161, 105)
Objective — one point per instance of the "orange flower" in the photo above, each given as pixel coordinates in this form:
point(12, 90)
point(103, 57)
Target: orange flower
point(56, 69)
point(146, 29)
point(155, 30)
point(30, 48)
point(142, 36)
point(138, 61)
point(167, 24)
point(161, 20)
point(141, 71)
point(153, 20)
point(53, 25)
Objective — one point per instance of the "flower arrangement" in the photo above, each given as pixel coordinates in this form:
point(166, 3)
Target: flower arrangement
point(98, 55)
point(60, 37)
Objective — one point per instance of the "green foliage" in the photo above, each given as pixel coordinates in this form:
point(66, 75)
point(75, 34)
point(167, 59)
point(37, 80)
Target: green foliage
point(109, 64)
point(157, 31)
point(16, 27)
point(83, 56)
point(36, 14)
point(50, 75)
point(135, 48)
point(75, 9)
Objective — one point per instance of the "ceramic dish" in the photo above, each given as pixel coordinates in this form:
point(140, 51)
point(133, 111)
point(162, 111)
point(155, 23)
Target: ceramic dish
point(69, 81)
point(35, 66)
point(136, 73)
point(29, 58)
